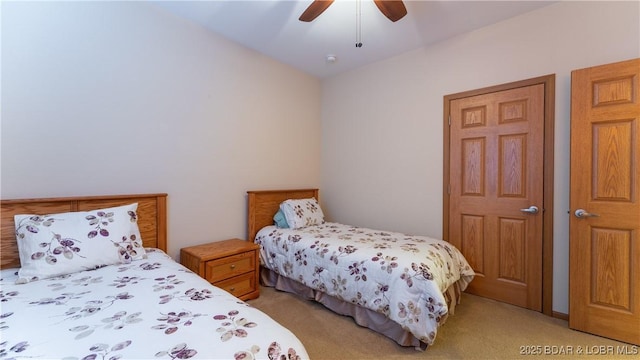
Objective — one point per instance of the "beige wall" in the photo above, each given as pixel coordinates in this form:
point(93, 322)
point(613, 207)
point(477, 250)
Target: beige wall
point(121, 97)
point(116, 97)
point(382, 124)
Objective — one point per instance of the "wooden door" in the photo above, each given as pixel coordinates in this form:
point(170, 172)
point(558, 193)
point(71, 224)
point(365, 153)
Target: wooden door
point(604, 227)
point(496, 182)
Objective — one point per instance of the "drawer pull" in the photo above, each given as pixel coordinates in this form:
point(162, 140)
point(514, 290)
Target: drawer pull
point(232, 289)
point(233, 266)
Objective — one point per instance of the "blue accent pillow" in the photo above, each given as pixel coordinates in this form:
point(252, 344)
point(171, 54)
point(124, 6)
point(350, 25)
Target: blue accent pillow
point(280, 220)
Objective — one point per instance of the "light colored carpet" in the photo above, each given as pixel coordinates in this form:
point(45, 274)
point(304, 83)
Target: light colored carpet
point(480, 329)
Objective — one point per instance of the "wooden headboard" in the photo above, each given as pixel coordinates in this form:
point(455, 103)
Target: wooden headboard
point(152, 217)
point(264, 204)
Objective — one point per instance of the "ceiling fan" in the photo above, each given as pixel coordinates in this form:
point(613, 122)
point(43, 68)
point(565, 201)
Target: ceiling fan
point(394, 10)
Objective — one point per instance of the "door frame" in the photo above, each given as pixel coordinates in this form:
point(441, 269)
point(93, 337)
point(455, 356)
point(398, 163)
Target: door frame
point(547, 214)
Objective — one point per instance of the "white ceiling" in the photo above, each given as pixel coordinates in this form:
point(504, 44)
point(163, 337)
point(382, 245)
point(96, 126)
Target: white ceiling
point(272, 27)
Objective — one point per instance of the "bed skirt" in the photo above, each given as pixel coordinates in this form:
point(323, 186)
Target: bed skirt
point(362, 316)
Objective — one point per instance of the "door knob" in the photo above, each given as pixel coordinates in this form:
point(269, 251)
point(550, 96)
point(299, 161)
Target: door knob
point(530, 210)
point(581, 213)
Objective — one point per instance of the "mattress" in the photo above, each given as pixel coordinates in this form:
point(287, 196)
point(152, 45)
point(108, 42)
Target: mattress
point(149, 309)
point(405, 278)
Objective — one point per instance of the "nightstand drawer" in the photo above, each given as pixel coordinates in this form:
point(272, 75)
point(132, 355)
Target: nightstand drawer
point(229, 266)
point(239, 285)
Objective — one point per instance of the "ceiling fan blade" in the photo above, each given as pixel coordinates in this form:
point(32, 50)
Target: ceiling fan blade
point(394, 10)
point(315, 9)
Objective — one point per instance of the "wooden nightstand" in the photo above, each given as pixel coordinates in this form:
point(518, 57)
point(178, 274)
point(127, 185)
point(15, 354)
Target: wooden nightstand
point(230, 264)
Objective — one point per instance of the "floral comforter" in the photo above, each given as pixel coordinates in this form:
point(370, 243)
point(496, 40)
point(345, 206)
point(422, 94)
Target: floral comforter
point(148, 309)
point(403, 277)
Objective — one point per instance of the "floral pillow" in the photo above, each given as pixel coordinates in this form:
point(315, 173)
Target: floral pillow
point(301, 213)
point(59, 244)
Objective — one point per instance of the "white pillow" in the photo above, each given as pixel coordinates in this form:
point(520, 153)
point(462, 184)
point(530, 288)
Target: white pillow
point(58, 244)
point(302, 212)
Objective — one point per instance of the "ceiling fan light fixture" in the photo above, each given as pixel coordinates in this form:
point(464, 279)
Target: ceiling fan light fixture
point(394, 10)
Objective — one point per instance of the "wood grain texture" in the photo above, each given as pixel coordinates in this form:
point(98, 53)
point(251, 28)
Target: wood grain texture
point(613, 159)
point(152, 217)
point(263, 204)
point(548, 214)
point(500, 169)
point(229, 264)
point(472, 242)
point(473, 172)
point(604, 261)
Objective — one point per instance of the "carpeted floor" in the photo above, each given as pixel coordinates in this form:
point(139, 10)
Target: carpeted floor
point(479, 329)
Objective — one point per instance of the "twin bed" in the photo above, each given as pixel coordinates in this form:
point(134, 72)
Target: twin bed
point(143, 305)
point(92, 280)
point(399, 285)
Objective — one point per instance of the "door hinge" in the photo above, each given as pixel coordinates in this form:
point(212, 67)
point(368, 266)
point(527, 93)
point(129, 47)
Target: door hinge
point(449, 189)
point(449, 119)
